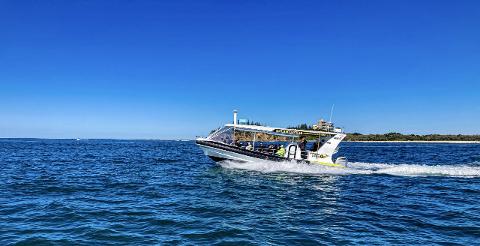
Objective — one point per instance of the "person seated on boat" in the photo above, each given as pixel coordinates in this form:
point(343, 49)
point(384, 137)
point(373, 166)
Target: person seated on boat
point(315, 146)
point(271, 149)
point(281, 151)
point(237, 143)
point(249, 147)
point(261, 147)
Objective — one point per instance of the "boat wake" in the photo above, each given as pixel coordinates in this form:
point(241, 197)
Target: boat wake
point(467, 171)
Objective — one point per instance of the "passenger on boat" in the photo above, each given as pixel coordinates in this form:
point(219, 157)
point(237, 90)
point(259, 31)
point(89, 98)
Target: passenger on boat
point(315, 146)
point(249, 147)
point(303, 147)
point(237, 143)
point(271, 149)
point(281, 151)
point(303, 144)
point(260, 148)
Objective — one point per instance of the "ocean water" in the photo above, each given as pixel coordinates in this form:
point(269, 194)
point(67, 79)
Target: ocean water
point(115, 192)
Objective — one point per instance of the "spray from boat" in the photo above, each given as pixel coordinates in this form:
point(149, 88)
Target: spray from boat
point(471, 170)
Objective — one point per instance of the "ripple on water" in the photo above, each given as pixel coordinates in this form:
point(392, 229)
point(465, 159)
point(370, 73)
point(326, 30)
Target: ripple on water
point(166, 192)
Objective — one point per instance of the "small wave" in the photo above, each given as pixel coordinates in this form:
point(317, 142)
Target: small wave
point(163, 160)
point(358, 168)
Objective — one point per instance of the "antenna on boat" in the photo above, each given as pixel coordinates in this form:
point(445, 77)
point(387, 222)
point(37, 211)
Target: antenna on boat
point(331, 113)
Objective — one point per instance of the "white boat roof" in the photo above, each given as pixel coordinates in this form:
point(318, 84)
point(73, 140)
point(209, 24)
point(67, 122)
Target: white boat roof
point(278, 130)
point(253, 127)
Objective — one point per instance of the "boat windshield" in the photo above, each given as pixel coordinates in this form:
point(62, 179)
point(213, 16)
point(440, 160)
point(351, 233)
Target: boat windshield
point(223, 135)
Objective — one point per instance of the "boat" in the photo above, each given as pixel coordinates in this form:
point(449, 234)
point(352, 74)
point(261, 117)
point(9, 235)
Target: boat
point(243, 142)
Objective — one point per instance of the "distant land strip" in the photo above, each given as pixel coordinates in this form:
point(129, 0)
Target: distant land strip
point(398, 137)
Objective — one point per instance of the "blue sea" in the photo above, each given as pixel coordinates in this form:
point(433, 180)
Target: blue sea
point(120, 192)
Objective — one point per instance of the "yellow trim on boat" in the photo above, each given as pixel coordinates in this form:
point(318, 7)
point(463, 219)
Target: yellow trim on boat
point(328, 164)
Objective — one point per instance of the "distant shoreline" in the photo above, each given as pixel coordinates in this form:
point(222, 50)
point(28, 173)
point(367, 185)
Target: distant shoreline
point(416, 141)
point(413, 138)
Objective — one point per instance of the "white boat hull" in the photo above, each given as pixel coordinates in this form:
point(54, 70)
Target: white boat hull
point(219, 154)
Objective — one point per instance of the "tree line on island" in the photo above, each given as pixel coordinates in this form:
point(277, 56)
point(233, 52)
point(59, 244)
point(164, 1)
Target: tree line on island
point(392, 136)
point(395, 136)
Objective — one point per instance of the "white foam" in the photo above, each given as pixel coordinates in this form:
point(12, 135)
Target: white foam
point(286, 166)
point(358, 168)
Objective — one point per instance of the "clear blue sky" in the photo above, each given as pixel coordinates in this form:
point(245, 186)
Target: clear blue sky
point(176, 69)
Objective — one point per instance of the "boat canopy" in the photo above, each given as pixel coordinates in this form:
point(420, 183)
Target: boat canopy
point(287, 132)
point(261, 129)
